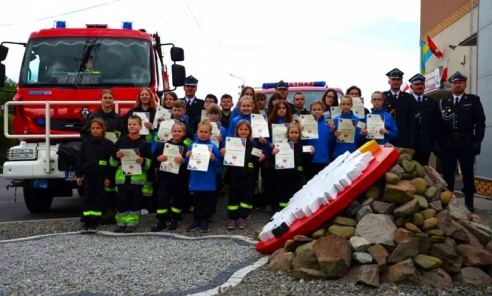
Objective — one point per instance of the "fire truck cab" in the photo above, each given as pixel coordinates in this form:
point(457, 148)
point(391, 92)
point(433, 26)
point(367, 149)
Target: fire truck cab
point(312, 90)
point(62, 75)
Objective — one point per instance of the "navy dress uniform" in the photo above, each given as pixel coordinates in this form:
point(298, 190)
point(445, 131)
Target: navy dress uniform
point(461, 126)
point(426, 110)
point(194, 106)
point(401, 106)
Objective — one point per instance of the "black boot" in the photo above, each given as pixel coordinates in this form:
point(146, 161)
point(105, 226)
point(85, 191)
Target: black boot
point(469, 203)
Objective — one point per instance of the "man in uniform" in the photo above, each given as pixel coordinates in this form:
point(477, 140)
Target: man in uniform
point(401, 106)
point(425, 120)
point(461, 129)
point(194, 106)
point(282, 88)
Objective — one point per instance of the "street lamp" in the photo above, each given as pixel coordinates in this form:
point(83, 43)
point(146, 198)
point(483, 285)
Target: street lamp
point(241, 86)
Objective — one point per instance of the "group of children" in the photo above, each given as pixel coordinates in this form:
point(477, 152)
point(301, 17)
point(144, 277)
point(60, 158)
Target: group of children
point(129, 161)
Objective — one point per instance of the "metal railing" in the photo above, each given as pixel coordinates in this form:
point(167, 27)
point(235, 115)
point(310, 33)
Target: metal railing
point(47, 136)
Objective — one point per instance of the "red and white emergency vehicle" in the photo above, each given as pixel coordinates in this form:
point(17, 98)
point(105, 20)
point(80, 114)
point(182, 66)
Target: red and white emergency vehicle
point(312, 90)
point(62, 75)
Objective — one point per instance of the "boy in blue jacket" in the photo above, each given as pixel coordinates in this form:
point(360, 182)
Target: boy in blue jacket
point(203, 184)
point(390, 130)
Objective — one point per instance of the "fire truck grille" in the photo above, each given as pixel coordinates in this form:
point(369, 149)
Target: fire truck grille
point(66, 124)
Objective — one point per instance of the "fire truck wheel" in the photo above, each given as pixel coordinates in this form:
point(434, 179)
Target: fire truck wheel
point(37, 200)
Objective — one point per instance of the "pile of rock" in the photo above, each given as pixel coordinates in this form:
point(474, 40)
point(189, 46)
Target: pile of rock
point(406, 228)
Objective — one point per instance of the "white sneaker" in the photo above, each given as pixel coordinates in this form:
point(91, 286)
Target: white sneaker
point(144, 212)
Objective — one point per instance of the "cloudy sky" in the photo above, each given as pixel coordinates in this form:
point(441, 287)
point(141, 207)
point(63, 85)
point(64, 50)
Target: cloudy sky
point(341, 42)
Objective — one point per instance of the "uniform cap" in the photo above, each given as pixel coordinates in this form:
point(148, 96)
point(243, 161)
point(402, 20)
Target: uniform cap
point(395, 73)
point(281, 84)
point(190, 80)
point(457, 77)
point(417, 78)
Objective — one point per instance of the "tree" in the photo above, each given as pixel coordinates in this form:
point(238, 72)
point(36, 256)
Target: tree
point(8, 91)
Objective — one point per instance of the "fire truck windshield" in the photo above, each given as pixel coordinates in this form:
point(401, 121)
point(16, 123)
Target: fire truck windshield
point(86, 62)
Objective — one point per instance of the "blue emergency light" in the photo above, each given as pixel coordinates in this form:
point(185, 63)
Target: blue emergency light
point(60, 24)
point(40, 121)
point(127, 25)
point(292, 84)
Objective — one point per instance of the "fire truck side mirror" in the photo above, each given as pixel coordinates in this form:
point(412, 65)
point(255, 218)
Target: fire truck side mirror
point(3, 52)
point(179, 74)
point(177, 54)
point(2, 75)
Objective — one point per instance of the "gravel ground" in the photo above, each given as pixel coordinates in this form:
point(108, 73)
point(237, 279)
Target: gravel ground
point(83, 264)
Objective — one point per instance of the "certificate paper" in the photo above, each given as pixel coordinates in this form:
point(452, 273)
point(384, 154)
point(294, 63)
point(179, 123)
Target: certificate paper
point(310, 126)
point(200, 157)
point(165, 128)
point(284, 159)
point(235, 151)
point(129, 164)
point(145, 118)
point(259, 126)
point(358, 107)
point(111, 136)
point(346, 127)
point(215, 132)
point(335, 111)
point(161, 114)
point(171, 151)
point(375, 122)
point(279, 133)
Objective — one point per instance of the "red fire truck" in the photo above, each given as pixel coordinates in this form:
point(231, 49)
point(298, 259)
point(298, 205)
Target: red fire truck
point(62, 75)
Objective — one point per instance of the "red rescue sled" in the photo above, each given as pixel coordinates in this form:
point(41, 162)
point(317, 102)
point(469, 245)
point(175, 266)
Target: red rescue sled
point(384, 158)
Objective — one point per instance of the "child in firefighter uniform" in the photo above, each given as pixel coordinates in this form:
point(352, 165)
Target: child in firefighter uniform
point(92, 165)
point(132, 160)
point(172, 177)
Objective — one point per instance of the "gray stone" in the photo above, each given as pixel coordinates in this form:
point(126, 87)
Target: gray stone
point(380, 207)
point(407, 209)
point(362, 257)
point(473, 276)
point(282, 262)
point(362, 212)
point(446, 252)
point(305, 257)
point(307, 274)
point(437, 278)
point(379, 254)
point(404, 271)
point(359, 244)
point(474, 256)
point(377, 229)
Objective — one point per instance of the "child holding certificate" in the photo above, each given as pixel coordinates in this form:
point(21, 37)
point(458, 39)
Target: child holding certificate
point(132, 160)
point(203, 181)
point(287, 181)
point(346, 129)
point(172, 175)
point(242, 178)
point(92, 164)
point(323, 145)
point(380, 125)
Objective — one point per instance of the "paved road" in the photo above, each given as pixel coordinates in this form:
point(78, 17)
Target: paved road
point(12, 207)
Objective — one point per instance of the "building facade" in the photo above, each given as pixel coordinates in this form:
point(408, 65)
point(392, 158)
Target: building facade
point(462, 31)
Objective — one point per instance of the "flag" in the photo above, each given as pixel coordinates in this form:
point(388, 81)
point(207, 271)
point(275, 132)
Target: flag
point(405, 86)
point(444, 74)
point(425, 55)
point(433, 48)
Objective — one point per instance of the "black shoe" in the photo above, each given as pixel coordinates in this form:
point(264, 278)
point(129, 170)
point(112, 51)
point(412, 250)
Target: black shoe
point(130, 229)
point(158, 226)
point(84, 228)
point(193, 227)
point(204, 226)
point(119, 229)
point(471, 209)
point(173, 225)
point(93, 228)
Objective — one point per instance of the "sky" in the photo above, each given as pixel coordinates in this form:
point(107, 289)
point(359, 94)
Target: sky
point(228, 43)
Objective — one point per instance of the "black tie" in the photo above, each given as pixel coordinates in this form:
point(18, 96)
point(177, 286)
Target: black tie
point(419, 99)
point(189, 103)
point(396, 96)
point(456, 100)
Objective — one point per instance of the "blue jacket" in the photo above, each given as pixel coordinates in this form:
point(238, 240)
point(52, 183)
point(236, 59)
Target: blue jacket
point(341, 147)
point(323, 144)
point(234, 121)
point(389, 125)
point(206, 181)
